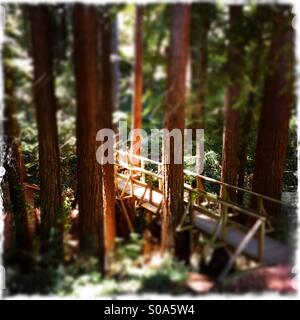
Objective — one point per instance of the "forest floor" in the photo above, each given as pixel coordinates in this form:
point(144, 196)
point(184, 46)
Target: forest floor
point(131, 275)
point(263, 280)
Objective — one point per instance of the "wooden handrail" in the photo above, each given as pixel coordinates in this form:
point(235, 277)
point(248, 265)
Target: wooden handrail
point(139, 157)
point(138, 169)
point(190, 173)
point(227, 203)
point(234, 187)
point(209, 195)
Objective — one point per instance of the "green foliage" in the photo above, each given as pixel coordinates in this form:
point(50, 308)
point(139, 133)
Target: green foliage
point(290, 175)
point(65, 219)
point(168, 275)
point(130, 249)
point(128, 274)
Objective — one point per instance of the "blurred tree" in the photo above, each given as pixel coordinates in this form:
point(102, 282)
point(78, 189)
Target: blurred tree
point(63, 31)
point(89, 121)
point(277, 102)
point(202, 16)
point(231, 116)
point(138, 85)
point(45, 104)
point(257, 33)
point(107, 107)
point(173, 207)
point(115, 58)
point(155, 27)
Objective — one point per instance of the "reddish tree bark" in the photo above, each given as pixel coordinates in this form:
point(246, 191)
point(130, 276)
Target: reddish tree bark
point(275, 114)
point(89, 114)
point(45, 104)
point(107, 107)
point(116, 63)
point(231, 116)
point(138, 84)
point(200, 25)
point(173, 206)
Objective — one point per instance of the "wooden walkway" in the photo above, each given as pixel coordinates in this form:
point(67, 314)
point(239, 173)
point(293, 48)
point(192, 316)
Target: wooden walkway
point(274, 252)
point(214, 216)
point(216, 223)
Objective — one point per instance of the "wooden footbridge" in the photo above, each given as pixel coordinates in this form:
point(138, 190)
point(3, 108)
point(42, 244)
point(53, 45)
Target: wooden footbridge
point(215, 216)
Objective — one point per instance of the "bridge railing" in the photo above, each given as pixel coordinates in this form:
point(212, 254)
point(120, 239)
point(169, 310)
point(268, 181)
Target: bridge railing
point(256, 226)
point(220, 213)
point(260, 199)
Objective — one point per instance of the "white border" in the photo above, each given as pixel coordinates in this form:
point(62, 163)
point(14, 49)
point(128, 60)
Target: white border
point(249, 296)
point(2, 285)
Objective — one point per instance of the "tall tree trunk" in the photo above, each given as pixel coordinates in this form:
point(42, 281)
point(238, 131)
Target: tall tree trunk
point(64, 31)
point(26, 25)
point(116, 63)
point(248, 118)
point(173, 207)
point(138, 84)
point(200, 24)
point(275, 114)
point(14, 165)
point(199, 106)
point(245, 136)
point(89, 114)
point(105, 74)
point(201, 21)
point(45, 104)
point(231, 116)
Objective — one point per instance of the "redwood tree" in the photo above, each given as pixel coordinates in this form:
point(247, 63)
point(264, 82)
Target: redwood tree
point(245, 129)
point(89, 114)
point(115, 63)
point(231, 116)
point(201, 19)
point(173, 206)
point(107, 107)
point(138, 82)
point(278, 98)
point(45, 104)
point(202, 15)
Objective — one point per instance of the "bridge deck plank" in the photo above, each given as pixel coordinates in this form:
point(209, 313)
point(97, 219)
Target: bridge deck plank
point(274, 252)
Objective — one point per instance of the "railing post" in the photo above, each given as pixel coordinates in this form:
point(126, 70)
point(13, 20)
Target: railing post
point(224, 218)
point(159, 180)
point(131, 183)
point(150, 189)
point(224, 193)
point(116, 179)
point(191, 207)
point(200, 186)
point(260, 205)
point(224, 213)
point(143, 173)
point(261, 242)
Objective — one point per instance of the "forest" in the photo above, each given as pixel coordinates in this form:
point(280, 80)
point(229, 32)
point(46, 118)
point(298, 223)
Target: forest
point(220, 220)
